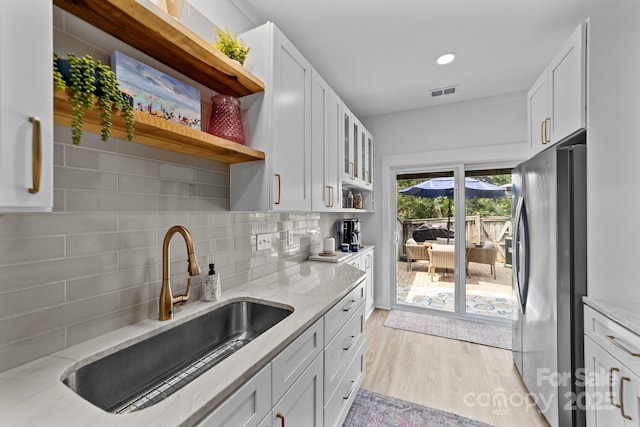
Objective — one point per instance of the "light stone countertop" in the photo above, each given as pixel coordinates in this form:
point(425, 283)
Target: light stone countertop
point(33, 394)
point(625, 313)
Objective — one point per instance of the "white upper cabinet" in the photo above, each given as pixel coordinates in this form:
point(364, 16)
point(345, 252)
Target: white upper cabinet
point(26, 106)
point(567, 87)
point(556, 104)
point(351, 131)
point(538, 119)
point(326, 110)
point(278, 122)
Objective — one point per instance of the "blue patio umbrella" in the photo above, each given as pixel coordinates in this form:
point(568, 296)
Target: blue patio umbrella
point(443, 187)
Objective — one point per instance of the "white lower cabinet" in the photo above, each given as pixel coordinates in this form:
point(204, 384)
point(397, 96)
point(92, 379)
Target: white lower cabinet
point(364, 262)
point(247, 406)
point(301, 405)
point(312, 382)
point(612, 372)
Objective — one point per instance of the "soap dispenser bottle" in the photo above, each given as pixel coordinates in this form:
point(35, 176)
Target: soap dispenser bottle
point(211, 290)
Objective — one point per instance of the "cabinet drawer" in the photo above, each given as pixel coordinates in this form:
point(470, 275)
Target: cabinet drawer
point(247, 406)
point(341, 349)
point(336, 409)
point(620, 342)
point(294, 359)
point(340, 313)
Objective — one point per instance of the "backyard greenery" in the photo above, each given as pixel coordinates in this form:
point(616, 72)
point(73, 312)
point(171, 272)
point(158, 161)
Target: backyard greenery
point(411, 207)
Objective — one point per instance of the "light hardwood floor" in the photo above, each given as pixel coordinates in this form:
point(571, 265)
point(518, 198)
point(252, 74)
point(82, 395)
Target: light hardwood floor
point(471, 380)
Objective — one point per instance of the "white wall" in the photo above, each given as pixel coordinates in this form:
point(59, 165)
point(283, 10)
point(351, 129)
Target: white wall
point(489, 131)
point(614, 152)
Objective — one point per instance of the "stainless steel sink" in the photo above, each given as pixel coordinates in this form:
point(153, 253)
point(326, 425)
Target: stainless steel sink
point(145, 373)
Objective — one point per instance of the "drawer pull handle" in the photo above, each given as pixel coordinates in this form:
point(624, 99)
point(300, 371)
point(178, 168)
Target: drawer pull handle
point(621, 347)
point(622, 380)
point(611, 386)
point(353, 338)
point(353, 303)
point(279, 415)
point(350, 391)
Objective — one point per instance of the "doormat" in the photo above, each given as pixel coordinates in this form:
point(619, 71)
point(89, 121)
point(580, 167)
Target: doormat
point(447, 327)
point(372, 409)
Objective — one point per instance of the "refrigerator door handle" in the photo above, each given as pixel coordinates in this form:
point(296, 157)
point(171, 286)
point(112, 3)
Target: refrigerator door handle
point(521, 253)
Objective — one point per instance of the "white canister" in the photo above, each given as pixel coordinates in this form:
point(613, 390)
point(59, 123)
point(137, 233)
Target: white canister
point(328, 245)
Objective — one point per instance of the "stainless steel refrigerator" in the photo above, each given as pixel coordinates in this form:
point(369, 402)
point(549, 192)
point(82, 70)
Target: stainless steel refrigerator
point(549, 277)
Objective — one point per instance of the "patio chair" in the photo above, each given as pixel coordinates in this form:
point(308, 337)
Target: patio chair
point(483, 256)
point(441, 256)
point(416, 252)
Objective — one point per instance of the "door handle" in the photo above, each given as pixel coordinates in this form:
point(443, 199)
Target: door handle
point(330, 205)
point(622, 380)
point(279, 415)
point(278, 189)
point(546, 130)
point(36, 155)
point(611, 386)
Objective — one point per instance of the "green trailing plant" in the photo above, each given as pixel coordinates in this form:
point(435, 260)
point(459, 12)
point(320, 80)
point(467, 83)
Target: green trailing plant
point(231, 45)
point(85, 75)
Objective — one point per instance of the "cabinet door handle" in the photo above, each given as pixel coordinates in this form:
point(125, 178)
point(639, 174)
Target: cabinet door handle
point(353, 171)
point(353, 338)
point(279, 415)
point(542, 124)
point(36, 155)
point(546, 130)
point(278, 189)
point(613, 341)
point(353, 302)
point(611, 386)
point(622, 380)
point(330, 204)
point(350, 390)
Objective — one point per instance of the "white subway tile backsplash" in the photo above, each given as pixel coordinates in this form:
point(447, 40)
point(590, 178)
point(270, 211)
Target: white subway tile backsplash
point(151, 185)
point(30, 299)
point(15, 277)
point(56, 317)
point(91, 286)
point(77, 157)
point(151, 220)
point(37, 224)
point(102, 201)
point(84, 179)
point(106, 242)
point(176, 172)
point(29, 250)
point(18, 352)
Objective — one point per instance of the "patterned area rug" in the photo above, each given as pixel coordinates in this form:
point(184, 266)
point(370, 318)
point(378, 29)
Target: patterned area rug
point(377, 410)
point(477, 302)
point(458, 329)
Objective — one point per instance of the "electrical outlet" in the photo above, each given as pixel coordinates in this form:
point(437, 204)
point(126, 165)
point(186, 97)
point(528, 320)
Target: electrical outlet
point(263, 241)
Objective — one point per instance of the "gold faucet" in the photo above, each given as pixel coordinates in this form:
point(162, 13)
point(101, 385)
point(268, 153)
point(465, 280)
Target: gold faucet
point(167, 300)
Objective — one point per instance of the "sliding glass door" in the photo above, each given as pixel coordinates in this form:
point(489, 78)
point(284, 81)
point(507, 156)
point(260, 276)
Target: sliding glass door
point(454, 247)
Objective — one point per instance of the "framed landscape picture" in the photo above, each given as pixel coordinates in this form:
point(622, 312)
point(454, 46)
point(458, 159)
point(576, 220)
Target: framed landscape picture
point(157, 93)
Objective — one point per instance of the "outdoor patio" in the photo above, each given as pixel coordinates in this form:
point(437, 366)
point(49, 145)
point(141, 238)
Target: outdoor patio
point(485, 295)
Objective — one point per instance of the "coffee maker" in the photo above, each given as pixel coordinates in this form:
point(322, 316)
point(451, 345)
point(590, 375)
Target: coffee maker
point(350, 233)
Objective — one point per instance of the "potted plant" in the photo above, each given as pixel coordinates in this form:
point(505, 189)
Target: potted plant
point(86, 79)
point(231, 45)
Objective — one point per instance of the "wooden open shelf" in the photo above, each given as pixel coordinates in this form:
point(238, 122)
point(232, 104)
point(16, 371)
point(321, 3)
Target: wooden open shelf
point(162, 37)
point(160, 133)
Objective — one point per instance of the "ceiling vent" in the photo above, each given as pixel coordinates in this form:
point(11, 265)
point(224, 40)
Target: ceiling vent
point(443, 91)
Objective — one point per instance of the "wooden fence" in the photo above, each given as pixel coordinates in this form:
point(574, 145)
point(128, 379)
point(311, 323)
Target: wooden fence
point(477, 230)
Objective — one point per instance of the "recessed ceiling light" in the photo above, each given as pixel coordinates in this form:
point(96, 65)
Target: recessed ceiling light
point(446, 58)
